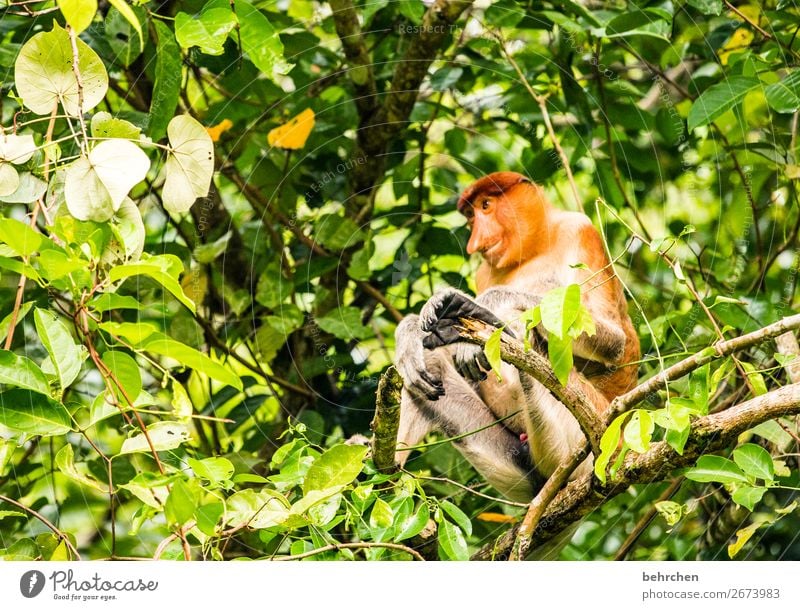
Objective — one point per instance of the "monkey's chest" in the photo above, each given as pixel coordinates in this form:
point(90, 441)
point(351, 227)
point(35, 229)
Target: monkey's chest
point(505, 398)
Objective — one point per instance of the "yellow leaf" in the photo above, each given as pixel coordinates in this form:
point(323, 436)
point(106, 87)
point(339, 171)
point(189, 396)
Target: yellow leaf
point(497, 518)
point(195, 284)
point(740, 39)
point(217, 130)
point(293, 134)
point(742, 536)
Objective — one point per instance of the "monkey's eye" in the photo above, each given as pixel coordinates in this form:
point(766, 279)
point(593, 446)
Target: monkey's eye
point(485, 204)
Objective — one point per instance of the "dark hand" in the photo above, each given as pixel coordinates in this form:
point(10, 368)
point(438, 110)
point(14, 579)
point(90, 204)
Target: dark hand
point(443, 312)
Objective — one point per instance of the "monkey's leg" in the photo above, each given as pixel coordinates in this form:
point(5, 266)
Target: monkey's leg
point(497, 454)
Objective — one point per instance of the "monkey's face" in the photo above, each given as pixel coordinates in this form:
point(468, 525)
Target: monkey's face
point(500, 228)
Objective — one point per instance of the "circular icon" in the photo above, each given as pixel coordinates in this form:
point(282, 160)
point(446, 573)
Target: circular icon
point(31, 583)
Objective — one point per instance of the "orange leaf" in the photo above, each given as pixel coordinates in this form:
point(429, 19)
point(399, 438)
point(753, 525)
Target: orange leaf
point(293, 134)
point(217, 130)
point(497, 518)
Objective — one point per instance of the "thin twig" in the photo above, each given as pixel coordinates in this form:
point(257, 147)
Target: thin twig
point(542, 102)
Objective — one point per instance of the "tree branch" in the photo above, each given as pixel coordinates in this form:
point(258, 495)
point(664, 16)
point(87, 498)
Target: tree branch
point(345, 19)
point(537, 366)
point(718, 350)
point(386, 421)
point(378, 127)
point(708, 434)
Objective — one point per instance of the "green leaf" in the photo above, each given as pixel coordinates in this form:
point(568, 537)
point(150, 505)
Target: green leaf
point(78, 13)
point(55, 264)
point(167, 85)
point(43, 74)
point(531, 319)
point(748, 496)
point(260, 40)
point(338, 466)
point(159, 343)
point(33, 413)
point(336, 232)
point(164, 435)
point(181, 504)
point(560, 354)
point(65, 462)
point(207, 30)
point(97, 184)
point(20, 237)
point(643, 22)
point(66, 356)
point(716, 469)
point(256, 509)
point(22, 372)
point(639, 431)
point(719, 98)
point(164, 269)
point(105, 125)
point(414, 523)
point(608, 446)
point(755, 378)
point(344, 323)
point(451, 541)
point(742, 536)
point(492, 350)
point(5, 324)
point(755, 461)
point(109, 301)
point(125, 371)
point(208, 253)
point(707, 7)
point(784, 96)
point(382, 516)
point(214, 469)
point(698, 389)
point(457, 515)
point(671, 511)
point(130, 16)
point(559, 308)
point(189, 165)
point(208, 516)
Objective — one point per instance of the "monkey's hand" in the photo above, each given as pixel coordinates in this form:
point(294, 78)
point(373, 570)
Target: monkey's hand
point(471, 361)
point(410, 360)
point(443, 312)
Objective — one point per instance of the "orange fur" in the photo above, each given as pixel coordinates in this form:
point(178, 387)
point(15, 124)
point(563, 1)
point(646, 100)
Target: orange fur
point(529, 245)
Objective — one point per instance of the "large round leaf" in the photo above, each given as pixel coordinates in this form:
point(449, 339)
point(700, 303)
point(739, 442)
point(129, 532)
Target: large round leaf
point(189, 165)
point(97, 185)
point(43, 74)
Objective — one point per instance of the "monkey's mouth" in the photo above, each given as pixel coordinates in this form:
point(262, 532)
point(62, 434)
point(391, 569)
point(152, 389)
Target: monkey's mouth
point(488, 251)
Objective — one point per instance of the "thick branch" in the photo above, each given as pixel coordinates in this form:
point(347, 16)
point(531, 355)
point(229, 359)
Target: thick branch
point(378, 127)
point(718, 350)
point(345, 19)
point(537, 366)
point(386, 421)
point(708, 434)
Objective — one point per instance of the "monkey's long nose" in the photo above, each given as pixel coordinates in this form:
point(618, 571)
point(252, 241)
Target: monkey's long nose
point(475, 239)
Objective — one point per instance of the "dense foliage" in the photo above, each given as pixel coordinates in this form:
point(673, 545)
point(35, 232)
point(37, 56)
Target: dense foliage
point(215, 213)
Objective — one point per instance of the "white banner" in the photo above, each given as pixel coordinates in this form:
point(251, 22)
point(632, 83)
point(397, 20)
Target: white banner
point(396, 585)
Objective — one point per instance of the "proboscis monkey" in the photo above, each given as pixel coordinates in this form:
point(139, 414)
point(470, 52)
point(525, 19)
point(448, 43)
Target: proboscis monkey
point(528, 247)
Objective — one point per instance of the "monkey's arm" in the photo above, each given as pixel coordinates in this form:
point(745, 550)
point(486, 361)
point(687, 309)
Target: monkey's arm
point(601, 295)
point(442, 313)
